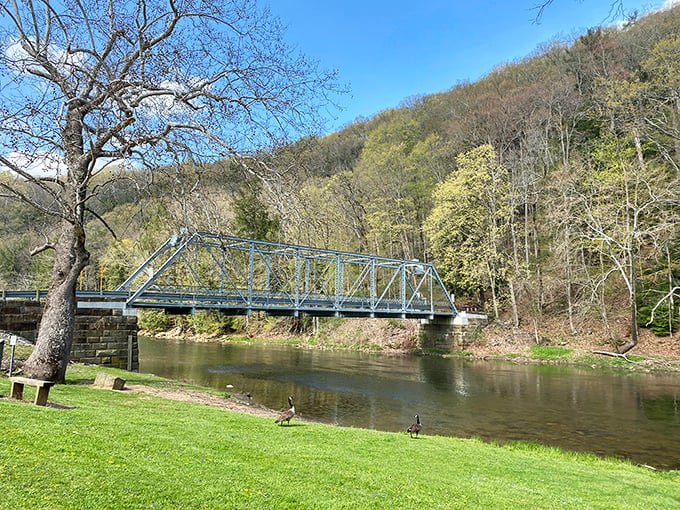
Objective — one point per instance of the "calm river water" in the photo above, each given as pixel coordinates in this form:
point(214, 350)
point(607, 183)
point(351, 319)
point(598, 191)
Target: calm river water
point(628, 415)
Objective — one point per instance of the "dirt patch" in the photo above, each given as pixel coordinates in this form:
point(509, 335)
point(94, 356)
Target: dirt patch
point(241, 404)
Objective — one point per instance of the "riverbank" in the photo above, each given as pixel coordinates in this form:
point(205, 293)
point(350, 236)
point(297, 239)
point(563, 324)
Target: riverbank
point(497, 341)
point(134, 449)
point(503, 343)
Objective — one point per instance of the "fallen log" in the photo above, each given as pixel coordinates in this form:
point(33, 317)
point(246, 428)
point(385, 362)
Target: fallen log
point(614, 354)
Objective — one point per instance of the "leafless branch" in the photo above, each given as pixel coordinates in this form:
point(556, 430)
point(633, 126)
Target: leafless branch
point(614, 354)
point(39, 249)
point(616, 9)
point(675, 291)
point(103, 222)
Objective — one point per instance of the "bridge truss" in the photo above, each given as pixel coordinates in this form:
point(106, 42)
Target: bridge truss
point(202, 270)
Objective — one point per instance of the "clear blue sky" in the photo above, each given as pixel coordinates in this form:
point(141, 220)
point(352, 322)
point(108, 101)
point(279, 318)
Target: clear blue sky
point(388, 51)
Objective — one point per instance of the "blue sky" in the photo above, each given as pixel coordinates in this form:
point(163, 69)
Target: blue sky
point(388, 51)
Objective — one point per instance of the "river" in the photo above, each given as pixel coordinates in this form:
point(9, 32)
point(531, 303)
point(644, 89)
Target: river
point(620, 414)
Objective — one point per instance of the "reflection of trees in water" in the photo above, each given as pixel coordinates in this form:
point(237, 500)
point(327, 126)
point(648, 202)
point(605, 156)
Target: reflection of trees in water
point(438, 372)
point(664, 408)
point(460, 377)
point(570, 387)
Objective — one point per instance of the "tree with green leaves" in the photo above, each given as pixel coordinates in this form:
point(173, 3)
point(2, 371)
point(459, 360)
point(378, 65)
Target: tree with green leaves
point(469, 225)
point(251, 217)
point(134, 84)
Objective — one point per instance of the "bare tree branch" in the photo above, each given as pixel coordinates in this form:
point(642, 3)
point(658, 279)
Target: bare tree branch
point(617, 8)
point(44, 247)
point(675, 291)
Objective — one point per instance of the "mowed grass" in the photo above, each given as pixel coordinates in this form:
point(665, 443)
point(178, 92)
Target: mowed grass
point(103, 449)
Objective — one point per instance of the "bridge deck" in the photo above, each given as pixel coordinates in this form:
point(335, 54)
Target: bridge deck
point(185, 303)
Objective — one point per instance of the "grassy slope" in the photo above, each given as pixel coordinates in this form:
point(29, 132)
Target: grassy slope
point(130, 450)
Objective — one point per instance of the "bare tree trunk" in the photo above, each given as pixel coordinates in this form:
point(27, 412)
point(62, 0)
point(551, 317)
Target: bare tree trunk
point(632, 262)
point(569, 283)
point(513, 302)
point(671, 303)
point(634, 332)
point(49, 359)
point(634, 336)
point(602, 301)
point(675, 123)
point(482, 299)
point(515, 258)
point(492, 287)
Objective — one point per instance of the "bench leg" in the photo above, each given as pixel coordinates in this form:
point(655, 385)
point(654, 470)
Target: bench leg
point(17, 391)
point(41, 395)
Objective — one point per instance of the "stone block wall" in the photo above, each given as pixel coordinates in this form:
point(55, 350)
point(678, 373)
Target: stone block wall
point(107, 338)
point(442, 335)
point(450, 334)
point(101, 337)
point(20, 318)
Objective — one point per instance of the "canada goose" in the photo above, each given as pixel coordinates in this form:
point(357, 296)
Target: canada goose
point(288, 414)
point(415, 427)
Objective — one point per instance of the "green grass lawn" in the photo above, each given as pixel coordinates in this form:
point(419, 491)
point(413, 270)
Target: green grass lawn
point(102, 449)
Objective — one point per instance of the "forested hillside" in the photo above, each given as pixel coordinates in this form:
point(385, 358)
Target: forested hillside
point(547, 192)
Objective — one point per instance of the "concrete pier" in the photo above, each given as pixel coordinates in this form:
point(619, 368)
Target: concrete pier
point(450, 334)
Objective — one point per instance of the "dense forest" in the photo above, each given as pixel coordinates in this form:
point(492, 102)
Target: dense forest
point(547, 192)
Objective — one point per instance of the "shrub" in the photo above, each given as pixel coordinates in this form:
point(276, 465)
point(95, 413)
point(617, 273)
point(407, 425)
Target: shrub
point(207, 322)
point(548, 351)
point(154, 320)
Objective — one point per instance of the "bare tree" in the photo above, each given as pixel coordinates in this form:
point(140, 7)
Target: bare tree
point(623, 205)
point(135, 84)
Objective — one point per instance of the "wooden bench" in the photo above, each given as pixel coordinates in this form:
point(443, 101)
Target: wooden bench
point(43, 389)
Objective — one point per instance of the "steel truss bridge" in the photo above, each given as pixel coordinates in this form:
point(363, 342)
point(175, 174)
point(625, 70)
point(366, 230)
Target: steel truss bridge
point(236, 276)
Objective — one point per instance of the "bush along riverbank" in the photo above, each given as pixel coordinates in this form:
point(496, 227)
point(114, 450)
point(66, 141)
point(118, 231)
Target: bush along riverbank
point(97, 448)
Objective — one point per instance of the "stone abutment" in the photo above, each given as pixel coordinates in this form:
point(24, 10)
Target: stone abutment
point(102, 336)
point(450, 334)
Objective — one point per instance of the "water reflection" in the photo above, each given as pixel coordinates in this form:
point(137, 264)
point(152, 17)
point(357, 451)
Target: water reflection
point(634, 416)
